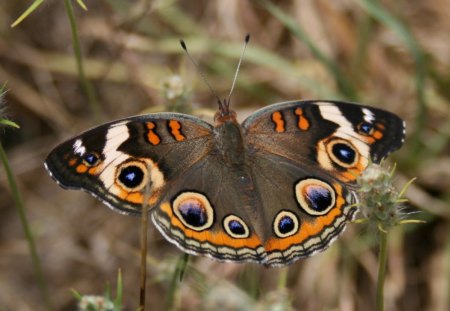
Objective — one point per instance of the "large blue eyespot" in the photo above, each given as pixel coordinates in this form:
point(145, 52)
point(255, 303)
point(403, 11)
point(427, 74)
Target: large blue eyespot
point(344, 153)
point(319, 198)
point(193, 210)
point(131, 176)
point(315, 196)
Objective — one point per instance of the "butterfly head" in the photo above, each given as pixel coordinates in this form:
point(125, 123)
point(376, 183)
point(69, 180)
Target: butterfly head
point(224, 114)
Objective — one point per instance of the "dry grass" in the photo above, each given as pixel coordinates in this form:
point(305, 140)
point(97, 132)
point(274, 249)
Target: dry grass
point(129, 48)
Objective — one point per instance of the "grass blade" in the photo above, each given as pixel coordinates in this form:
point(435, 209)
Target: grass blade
point(85, 83)
point(27, 12)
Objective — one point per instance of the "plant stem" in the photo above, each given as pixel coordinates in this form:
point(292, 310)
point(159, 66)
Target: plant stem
point(382, 258)
point(282, 278)
point(144, 227)
point(26, 228)
point(85, 83)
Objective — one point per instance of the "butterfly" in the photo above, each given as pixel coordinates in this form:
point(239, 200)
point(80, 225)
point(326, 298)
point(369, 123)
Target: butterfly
point(275, 188)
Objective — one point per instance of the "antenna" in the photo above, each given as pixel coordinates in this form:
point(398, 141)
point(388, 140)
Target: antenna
point(247, 39)
point(183, 45)
point(225, 104)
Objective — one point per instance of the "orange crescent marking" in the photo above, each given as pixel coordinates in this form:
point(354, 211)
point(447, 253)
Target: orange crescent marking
point(308, 229)
point(72, 162)
point(94, 170)
point(368, 140)
point(81, 169)
point(217, 238)
point(277, 118)
point(377, 135)
point(151, 135)
point(134, 197)
point(353, 173)
point(303, 122)
point(175, 128)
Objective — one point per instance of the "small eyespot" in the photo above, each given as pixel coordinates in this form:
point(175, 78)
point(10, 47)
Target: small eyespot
point(235, 227)
point(91, 159)
point(285, 224)
point(365, 128)
point(342, 153)
point(193, 210)
point(132, 175)
point(315, 196)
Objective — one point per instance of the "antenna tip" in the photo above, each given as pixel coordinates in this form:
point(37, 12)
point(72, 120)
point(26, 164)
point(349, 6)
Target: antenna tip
point(183, 45)
point(247, 38)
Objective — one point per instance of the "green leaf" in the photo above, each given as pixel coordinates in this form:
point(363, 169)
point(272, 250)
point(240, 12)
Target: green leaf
point(25, 14)
point(119, 292)
point(9, 123)
point(83, 6)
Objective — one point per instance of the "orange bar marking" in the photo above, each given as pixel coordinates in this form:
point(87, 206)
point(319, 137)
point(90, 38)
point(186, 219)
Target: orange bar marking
point(152, 137)
point(377, 135)
point(81, 169)
point(175, 127)
point(303, 122)
point(277, 118)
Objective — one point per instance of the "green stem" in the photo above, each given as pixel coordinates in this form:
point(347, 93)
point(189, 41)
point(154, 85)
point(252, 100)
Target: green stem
point(85, 84)
point(282, 278)
point(144, 227)
point(382, 258)
point(26, 228)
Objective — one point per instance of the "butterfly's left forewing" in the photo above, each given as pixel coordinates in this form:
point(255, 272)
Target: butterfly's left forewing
point(125, 161)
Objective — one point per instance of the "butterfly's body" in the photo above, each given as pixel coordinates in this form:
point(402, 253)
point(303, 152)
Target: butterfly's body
point(270, 190)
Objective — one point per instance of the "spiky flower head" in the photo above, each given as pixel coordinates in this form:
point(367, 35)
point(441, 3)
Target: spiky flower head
point(380, 203)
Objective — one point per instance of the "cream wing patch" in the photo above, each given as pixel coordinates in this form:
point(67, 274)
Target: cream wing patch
point(116, 135)
point(345, 130)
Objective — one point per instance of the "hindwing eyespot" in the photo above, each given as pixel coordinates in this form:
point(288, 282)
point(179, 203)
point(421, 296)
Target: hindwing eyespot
point(315, 196)
point(194, 210)
point(235, 227)
point(285, 224)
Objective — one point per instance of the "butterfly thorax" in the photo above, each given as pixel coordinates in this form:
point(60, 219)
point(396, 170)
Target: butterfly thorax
point(230, 142)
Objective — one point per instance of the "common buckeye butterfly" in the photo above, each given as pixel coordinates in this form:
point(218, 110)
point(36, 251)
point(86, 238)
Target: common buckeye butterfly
point(272, 189)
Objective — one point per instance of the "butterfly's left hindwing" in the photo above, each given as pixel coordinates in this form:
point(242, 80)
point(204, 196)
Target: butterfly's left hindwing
point(125, 161)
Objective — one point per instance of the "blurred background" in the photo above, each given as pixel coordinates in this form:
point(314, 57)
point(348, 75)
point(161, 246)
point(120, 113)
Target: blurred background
point(390, 54)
